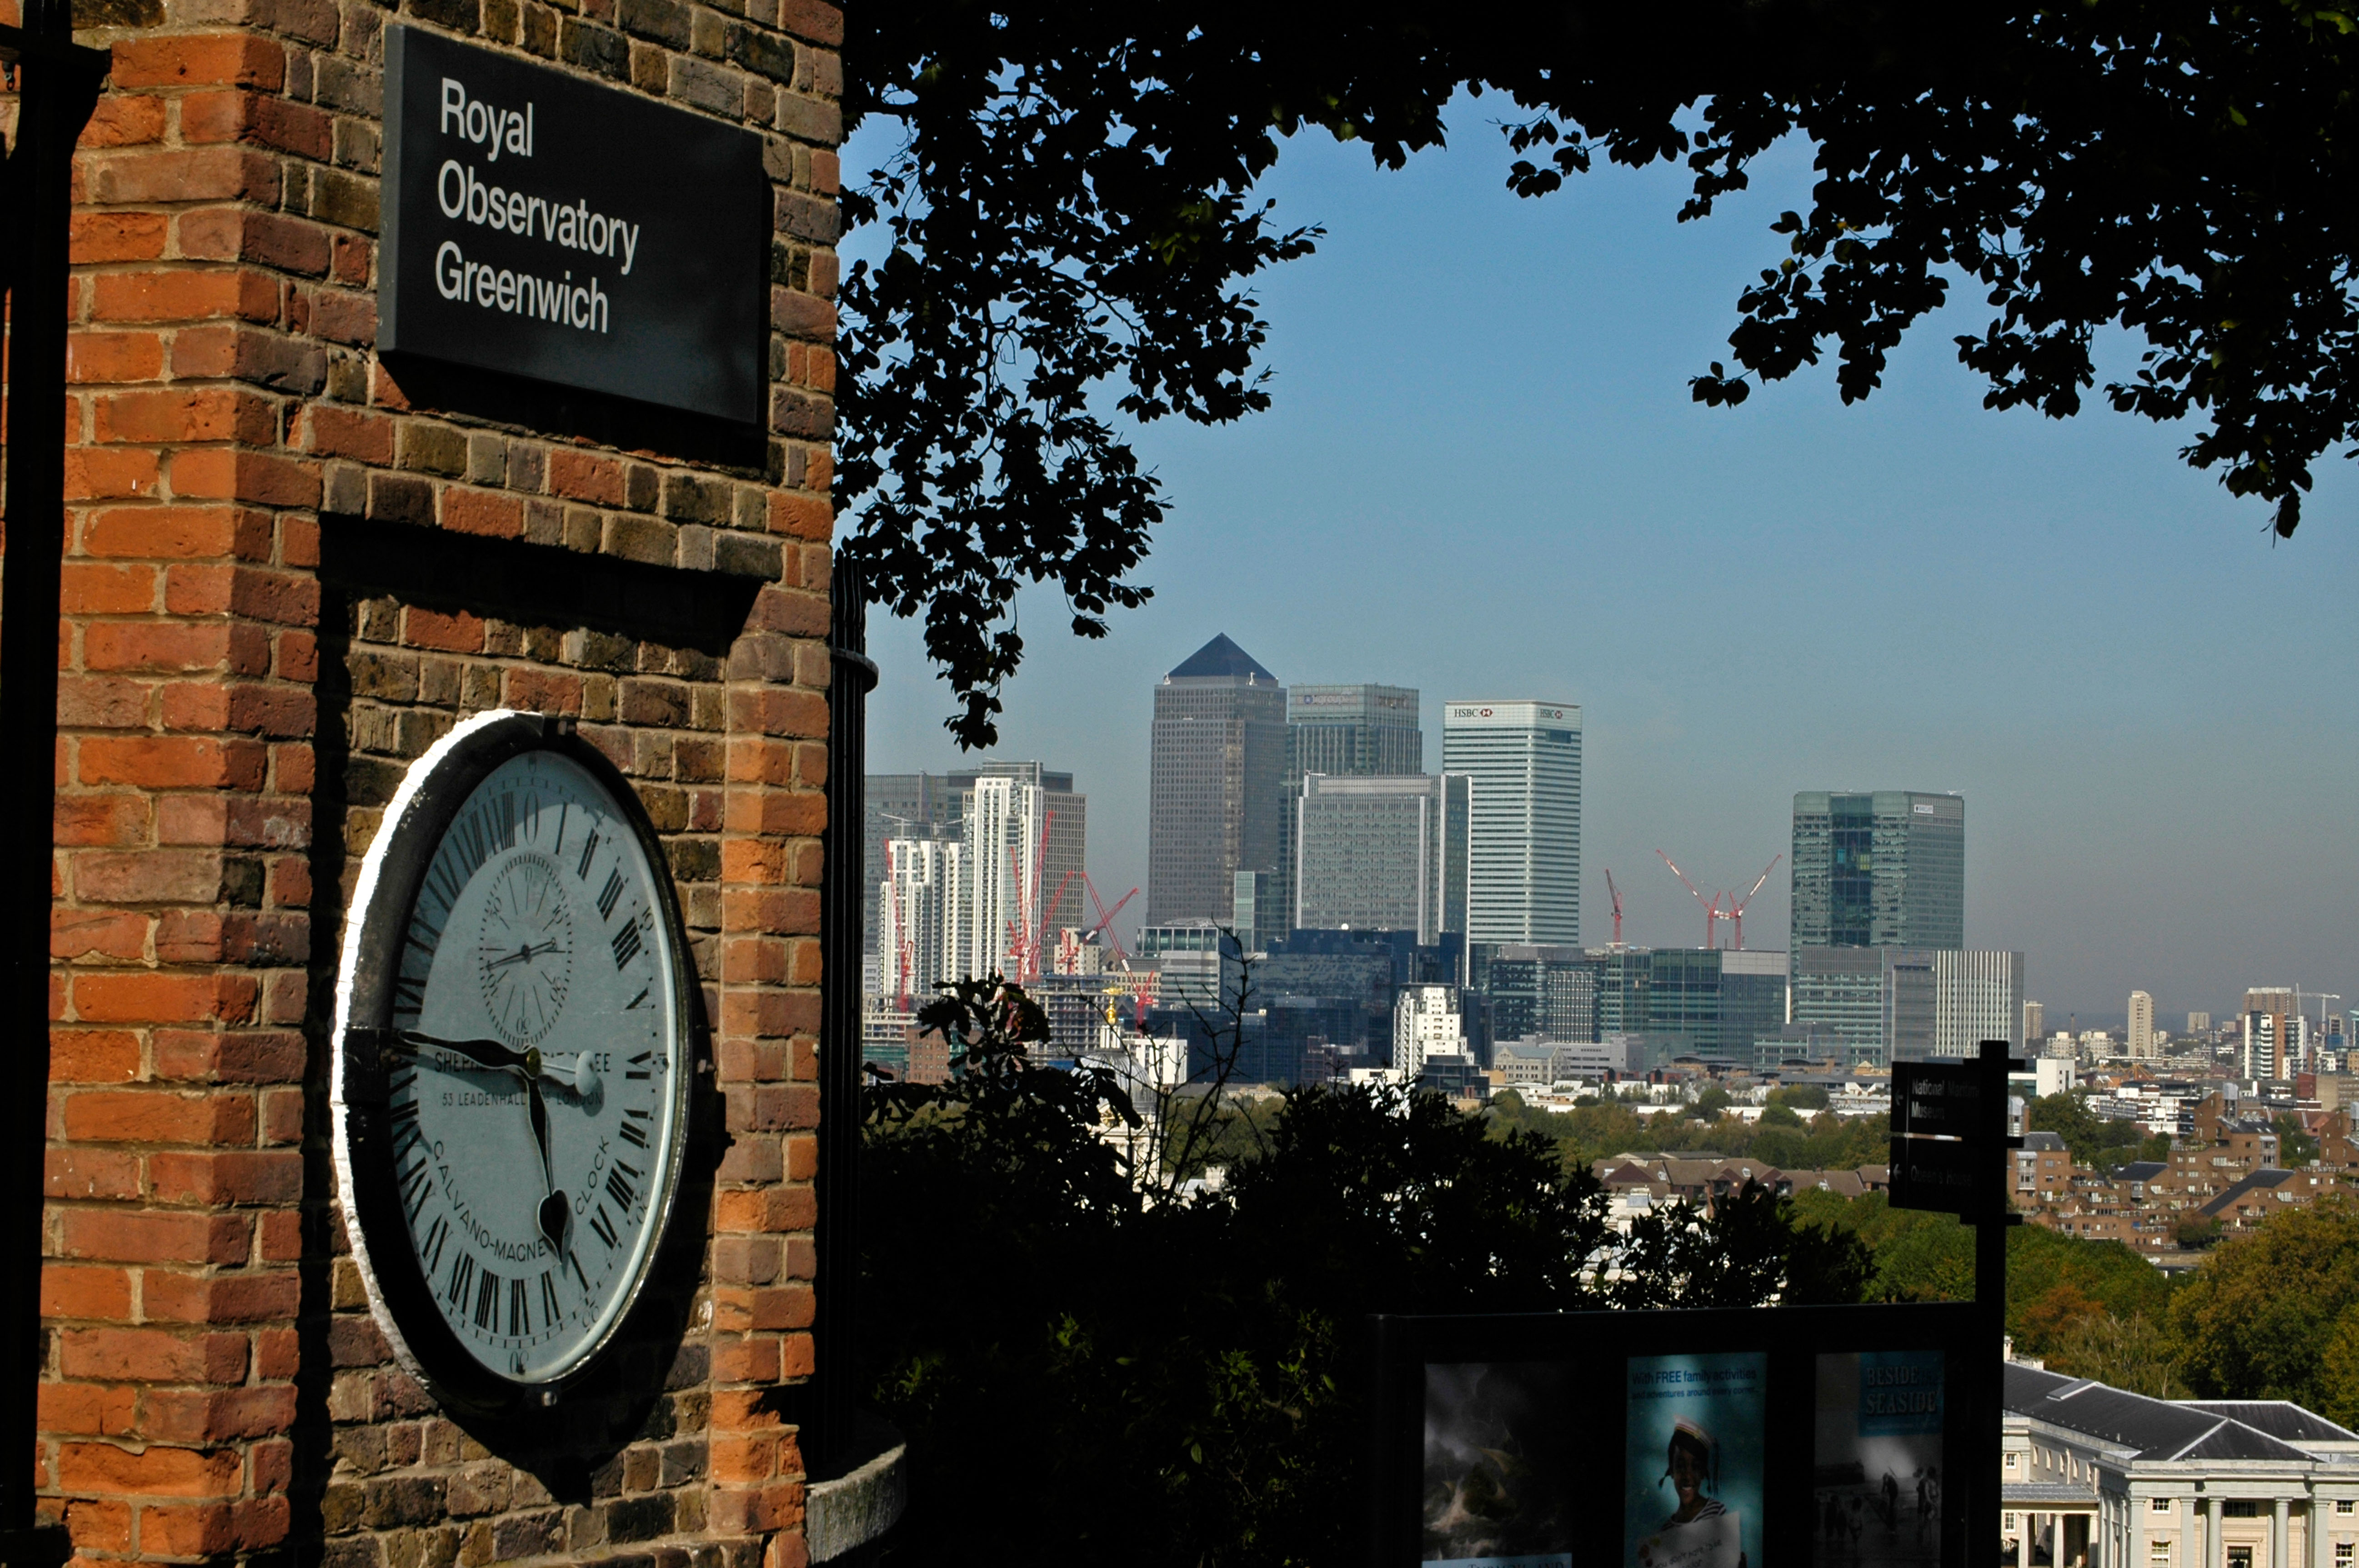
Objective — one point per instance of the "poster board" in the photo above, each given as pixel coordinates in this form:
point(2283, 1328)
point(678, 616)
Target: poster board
point(1819, 1435)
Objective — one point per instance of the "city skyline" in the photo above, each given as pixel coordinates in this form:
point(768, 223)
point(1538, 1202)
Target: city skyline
point(2150, 707)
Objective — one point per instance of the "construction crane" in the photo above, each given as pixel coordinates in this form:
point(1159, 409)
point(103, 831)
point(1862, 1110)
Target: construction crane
point(1711, 913)
point(1737, 909)
point(1615, 894)
point(1723, 905)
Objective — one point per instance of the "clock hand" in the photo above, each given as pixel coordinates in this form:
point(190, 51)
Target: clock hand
point(486, 1052)
point(556, 1216)
point(523, 955)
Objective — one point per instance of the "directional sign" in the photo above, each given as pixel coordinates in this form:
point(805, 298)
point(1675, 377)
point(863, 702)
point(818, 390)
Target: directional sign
point(1938, 1099)
point(1947, 1175)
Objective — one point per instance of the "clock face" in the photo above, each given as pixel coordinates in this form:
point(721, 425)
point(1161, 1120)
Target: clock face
point(535, 1059)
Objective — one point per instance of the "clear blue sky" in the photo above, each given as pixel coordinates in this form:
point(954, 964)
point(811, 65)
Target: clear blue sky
point(1482, 476)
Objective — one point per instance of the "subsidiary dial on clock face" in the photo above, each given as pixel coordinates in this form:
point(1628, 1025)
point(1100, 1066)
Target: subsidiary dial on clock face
point(525, 955)
point(534, 1095)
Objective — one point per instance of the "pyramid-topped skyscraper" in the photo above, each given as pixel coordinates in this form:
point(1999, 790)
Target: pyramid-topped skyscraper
point(1217, 770)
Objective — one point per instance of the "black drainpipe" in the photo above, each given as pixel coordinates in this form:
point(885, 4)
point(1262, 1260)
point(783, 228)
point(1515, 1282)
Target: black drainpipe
point(852, 676)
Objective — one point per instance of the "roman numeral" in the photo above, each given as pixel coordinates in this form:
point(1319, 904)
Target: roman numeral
point(408, 995)
point(605, 1229)
point(506, 830)
point(462, 1274)
point(426, 944)
point(488, 1300)
point(579, 1277)
point(519, 1309)
point(626, 945)
point(609, 893)
point(638, 1000)
point(432, 1249)
point(550, 1311)
point(444, 882)
point(407, 1135)
point(639, 1069)
point(582, 872)
point(618, 1189)
point(414, 1187)
point(633, 1134)
point(473, 843)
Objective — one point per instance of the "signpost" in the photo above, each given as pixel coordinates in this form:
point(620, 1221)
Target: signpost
point(544, 226)
point(1951, 1149)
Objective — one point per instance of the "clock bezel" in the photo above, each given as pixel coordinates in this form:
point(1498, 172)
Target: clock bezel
point(400, 1297)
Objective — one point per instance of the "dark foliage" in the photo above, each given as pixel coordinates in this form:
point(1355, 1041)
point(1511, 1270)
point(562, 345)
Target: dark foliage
point(1072, 233)
point(1183, 1381)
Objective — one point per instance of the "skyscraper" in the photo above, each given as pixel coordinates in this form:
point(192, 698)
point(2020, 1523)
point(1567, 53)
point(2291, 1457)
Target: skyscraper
point(2035, 1023)
point(1385, 854)
point(1216, 775)
point(936, 805)
point(2142, 1041)
point(1523, 850)
point(1344, 732)
point(1905, 1004)
point(1885, 868)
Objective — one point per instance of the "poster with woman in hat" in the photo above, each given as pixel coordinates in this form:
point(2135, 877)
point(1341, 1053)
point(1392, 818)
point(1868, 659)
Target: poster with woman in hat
point(1692, 1470)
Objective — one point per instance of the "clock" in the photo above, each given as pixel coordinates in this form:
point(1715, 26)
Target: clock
point(514, 1058)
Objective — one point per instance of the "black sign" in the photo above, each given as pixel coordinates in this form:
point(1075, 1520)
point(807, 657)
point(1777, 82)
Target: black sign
point(1547, 1440)
point(1947, 1176)
point(538, 224)
point(1938, 1099)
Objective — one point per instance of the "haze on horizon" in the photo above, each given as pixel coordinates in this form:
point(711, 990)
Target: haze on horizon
point(1482, 476)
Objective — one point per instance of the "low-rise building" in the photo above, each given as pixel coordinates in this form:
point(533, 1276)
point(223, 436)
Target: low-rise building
point(2102, 1478)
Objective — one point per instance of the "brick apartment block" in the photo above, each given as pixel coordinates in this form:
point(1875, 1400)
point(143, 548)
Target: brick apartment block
point(290, 568)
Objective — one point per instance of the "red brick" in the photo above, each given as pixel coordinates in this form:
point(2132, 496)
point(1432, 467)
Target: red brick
point(87, 588)
point(90, 1173)
point(213, 60)
point(212, 1529)
point(224, 1298)
point(172, 761)
point(580, 476)
point(123, 119)
point(116, 1236)
point(455, 633)
point(85, 1292)
point(338, 432)
point(245, 476)
point(185, 295)
point(86, 1410)
point(164, 646)
point(247, 1056)
point(92, 1057)
point(269, 1176)
point(185, 174)
point(158, 1116)
point(199, 414)
point(152, 1356)
point(96, 357)
point(482, 512)
point(156, 1471)
point(177, 532)
point(97, 933)
point(95, 475)
point(266, 119)
point(98, 1527)
point(117, 237)
point(164, 998)
point(271, 239)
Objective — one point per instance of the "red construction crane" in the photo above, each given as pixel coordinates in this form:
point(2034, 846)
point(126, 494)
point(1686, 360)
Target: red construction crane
point(1712, 911)
point(1615, 894)
point(1102, 926)
point(1736, 912)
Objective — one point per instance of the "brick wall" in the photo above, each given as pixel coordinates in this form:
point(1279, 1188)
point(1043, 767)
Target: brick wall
point(290, 567)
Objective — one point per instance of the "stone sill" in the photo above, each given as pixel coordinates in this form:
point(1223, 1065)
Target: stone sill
point(850, 1510)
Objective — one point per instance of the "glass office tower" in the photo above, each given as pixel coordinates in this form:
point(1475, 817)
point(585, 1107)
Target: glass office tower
point(1881, 869)
point(1344, 732)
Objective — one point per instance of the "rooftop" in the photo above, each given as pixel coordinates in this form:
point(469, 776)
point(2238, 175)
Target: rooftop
point(1221, 658)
